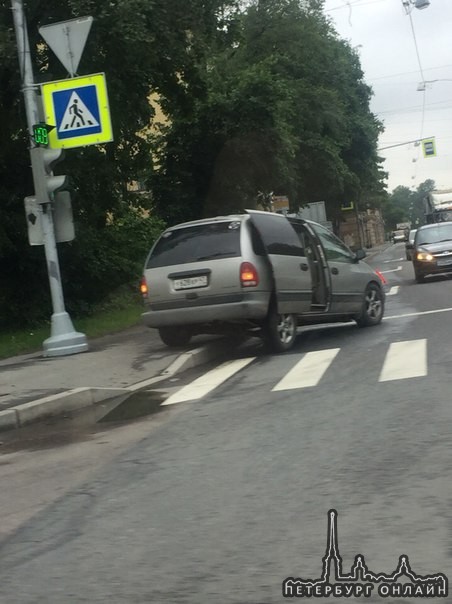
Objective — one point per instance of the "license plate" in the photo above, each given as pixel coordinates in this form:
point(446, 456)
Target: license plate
point(190, 282)
point(445, 262)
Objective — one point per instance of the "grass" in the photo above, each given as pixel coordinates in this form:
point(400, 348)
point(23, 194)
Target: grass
point(122, 311)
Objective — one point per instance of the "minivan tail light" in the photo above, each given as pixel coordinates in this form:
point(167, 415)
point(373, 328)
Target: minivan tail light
point(248, 275)
point(144, 287)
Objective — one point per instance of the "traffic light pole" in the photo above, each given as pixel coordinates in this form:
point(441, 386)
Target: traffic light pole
point(63, 339)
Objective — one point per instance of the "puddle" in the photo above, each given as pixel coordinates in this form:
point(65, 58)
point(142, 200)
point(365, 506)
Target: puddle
point(82, 425)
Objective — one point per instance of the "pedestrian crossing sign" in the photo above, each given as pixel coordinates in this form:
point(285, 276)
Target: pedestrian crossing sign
point(79, 110)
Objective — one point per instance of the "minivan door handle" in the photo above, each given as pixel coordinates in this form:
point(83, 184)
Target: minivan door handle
point(304, 267)
point(335, 271)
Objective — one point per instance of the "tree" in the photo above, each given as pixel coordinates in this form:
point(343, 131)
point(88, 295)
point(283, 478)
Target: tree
point(260, 98)
point(283, 109)
point(136, 44)
point(405, 205)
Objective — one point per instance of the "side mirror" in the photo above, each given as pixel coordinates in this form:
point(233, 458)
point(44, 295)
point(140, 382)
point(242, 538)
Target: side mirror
point(360, 255)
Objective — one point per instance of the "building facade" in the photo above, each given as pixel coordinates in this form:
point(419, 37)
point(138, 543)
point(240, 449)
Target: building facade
point(362, 229)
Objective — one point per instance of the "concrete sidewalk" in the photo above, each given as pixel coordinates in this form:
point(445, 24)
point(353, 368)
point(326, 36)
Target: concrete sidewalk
point(33, 387)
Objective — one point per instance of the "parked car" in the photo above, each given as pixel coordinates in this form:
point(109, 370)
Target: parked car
point(258, 271)
point(410, 244)
point(432, 252)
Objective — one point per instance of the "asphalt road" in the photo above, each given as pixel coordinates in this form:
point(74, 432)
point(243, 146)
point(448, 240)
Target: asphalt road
point(225, 493)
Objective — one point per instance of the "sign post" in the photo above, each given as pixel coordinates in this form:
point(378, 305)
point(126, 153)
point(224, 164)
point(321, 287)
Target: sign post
point(63, 339)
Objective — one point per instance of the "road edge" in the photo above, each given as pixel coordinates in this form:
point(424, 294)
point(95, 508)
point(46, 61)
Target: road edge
point(80, 398)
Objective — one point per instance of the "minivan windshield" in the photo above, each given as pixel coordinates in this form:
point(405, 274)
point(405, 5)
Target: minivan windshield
point(197, 243)
point(434, 234)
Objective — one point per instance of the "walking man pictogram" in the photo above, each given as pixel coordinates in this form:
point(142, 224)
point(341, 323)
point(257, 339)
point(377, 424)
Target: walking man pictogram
point(75, 109)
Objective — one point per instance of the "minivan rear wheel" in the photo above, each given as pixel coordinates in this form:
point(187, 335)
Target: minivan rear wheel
point(175, 336)
point(280, 331)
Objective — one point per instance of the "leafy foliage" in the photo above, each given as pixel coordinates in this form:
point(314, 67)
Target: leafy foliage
point(283, 109)
point(260, 97)
point(405, 205)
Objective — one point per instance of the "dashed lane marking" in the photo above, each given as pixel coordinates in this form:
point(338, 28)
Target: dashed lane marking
point(417, 314)
point(393, 291)
point(392, 270)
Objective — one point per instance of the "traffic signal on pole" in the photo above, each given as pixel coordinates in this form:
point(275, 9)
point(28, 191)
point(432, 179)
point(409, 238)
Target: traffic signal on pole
point(43, 160)
point(429, 147)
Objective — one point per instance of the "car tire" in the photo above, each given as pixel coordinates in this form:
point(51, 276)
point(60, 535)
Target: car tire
point(419, 277)
point(280, 331)
point(373, 306)
point(408, 257)
point(175, 337)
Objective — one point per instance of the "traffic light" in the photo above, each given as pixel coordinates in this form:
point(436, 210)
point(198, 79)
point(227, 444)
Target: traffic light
point(46, 183)
point(429, 148)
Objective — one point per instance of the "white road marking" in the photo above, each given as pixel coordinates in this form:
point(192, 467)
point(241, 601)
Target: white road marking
point(405, 360)
point(208, 382)
point(394, 260)
point(418, 314)
point(393, 291)
point(392, 270)
point(309, 371)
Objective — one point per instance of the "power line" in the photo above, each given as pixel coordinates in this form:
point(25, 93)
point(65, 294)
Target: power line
point(415, 108)
point(356, 3)
point(396, 75)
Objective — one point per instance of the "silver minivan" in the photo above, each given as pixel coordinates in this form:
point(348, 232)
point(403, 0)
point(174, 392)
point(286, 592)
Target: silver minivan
point(260, 272)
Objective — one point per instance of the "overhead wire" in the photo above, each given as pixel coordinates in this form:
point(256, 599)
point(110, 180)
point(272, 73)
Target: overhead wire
point(353, 3)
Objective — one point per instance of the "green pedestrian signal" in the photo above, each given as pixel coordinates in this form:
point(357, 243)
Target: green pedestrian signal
point(41, 134)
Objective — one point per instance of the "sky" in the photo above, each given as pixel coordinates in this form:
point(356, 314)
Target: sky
point(382, 33)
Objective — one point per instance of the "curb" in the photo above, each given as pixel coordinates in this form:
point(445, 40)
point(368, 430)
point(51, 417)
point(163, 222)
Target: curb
point(80, 398)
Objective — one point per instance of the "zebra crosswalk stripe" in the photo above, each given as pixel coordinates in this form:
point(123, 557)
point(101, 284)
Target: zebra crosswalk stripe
point(405, 360)
point(309, 371)
point(208, 382)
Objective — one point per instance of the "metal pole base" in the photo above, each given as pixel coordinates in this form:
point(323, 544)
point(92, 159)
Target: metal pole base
point(64, 339)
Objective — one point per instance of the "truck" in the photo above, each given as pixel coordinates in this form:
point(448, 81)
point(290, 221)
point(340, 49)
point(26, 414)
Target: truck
point(401, 232)
point(438, 206)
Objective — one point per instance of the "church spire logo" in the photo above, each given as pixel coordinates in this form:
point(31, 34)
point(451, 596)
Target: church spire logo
point(362, 582)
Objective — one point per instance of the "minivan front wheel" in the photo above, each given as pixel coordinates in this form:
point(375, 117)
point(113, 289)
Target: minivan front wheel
point(373, 306)
point(175, 336)
point(280, 331)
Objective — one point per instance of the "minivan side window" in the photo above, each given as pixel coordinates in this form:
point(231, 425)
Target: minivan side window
point(335, 250)
point(300, 231)
point(256, 241)
point(277, 235)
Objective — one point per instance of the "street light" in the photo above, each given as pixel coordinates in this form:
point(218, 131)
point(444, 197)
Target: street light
point(422, 85)
point(419, 4)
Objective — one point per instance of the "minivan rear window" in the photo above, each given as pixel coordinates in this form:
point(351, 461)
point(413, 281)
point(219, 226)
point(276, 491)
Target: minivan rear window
point(210, 241)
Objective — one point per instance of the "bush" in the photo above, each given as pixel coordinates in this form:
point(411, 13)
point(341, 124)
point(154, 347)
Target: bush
point(96, 263)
